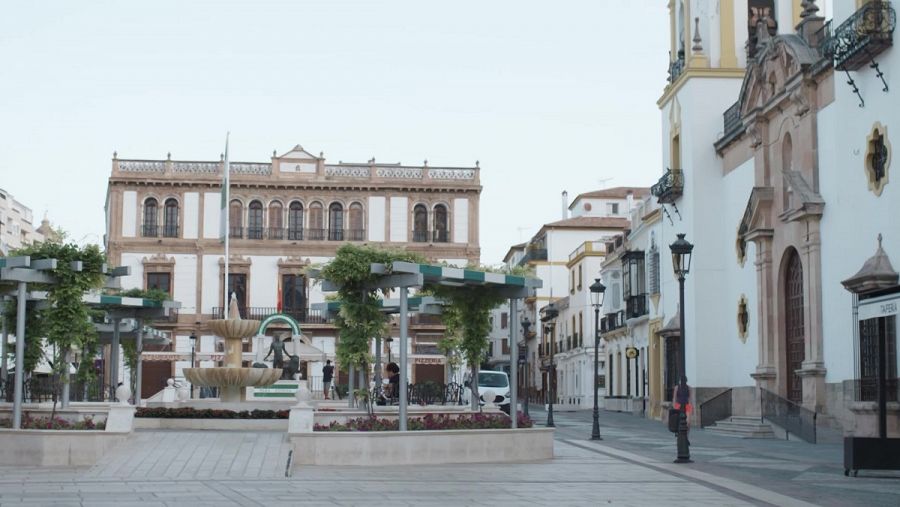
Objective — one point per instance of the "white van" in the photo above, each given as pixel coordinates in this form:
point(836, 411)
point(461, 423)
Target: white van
point(496, 381)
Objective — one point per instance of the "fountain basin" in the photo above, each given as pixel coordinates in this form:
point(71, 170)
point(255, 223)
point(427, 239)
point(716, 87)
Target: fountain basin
point(232, 377)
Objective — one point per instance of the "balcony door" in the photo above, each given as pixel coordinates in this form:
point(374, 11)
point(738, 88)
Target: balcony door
point(293, 296)
point(237, 285)
point(794, 327)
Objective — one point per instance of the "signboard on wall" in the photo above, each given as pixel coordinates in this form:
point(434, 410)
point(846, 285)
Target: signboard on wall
point(880, 307)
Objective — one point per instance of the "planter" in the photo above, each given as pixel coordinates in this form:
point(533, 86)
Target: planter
point(421, 447)
point(48, 448)
point(160, 423)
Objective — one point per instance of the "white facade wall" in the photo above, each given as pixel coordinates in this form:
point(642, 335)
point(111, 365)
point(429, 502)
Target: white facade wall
point(136, 279)
point(376, 218)
point(191, 215)
point(263, 281)
point(210, 297)
point(129, 213)
point(211, 214)
point(399, 219)
point(460, 220)
point(184, 282)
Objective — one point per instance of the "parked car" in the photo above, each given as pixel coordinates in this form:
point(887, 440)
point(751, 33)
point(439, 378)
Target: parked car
point(496, 381)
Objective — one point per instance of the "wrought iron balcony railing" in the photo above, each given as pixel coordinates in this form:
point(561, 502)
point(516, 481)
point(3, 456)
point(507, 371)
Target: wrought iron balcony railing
point(315, 234)
point(420, 236)
point(254, 233)
point(356, 235)
point(676, 68)
point(295, 233)
point(150, 231)
point(636, 306)
point(170, 231)
point(612, 321)
point(275, 233)
point(669, 187)
point(441, 236)
point(534, 254)
point(732, 119)
point(335, 235)
point(235, 232)
point(865, 34)
point(301, 315)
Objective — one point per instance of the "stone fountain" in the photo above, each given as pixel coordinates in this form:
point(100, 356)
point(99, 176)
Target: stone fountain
point(232, 379)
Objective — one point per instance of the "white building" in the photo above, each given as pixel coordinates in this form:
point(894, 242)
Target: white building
point(17, 224)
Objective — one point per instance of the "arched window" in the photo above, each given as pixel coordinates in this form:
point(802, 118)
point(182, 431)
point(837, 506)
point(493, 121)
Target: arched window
point(235, 219)
point(276, 220)
point(170, 219)
point(255, 220)
point(787, 153)
point(336, 222)
point(794, 328)
point(316, 221)
point(150, 227)
point(440, 224)
point(420, 223)
point(295, 221)
point(357, 227)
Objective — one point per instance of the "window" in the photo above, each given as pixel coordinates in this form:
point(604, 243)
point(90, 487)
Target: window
point(877, 159)
point(293, 296)
point(440, 224)
point(580, 276)
point(794, 326)
point(151, 216)
point(580, 329)
point(634, 282)
point(160, 281)
point(295, 221)
point(572, 282)
point(316, 221)
point(505, 346)
point(255, 220)
point(504, 320)
point(236, 219)
point(786, 156)
point(276, 220)
point(869, 332)
point(357, 227)
point(653, 270)
point(170, 219)
point(676, 152)
point(612, 208)
point(336, 222)
point(420, 224)
point(237, 285)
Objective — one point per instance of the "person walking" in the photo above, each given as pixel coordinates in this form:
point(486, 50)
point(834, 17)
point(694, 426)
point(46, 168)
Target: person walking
point(327, 376)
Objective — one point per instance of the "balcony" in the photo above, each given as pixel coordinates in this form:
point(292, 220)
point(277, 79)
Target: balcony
point(301, 315)
point(676, 68)
point(732, 120)
point(669, 187)
point(335, 235)
point(170, 231)
point(254, 233)
point(150, 231)
point(275, 233)
point(635, 306)
point(356, 235)
point(862, 37)
point(612, 321)
point(235, 232)
point(533, 254)
point(315, 234)
point(295, 234)
point(420, 236)
point(441, 236)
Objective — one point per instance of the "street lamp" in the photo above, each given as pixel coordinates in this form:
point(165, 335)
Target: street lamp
point(526, 325)
point(681, 263)
point(550, 314)
point(598, 292)
point(193, 339)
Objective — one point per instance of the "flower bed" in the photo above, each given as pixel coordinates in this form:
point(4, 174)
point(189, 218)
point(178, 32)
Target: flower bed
point(55, 423)
point(208, 413)
point(428, 423)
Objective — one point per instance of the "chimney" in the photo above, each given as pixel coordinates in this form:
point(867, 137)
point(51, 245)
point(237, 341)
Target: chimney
point(565, 205)
point(630, 197)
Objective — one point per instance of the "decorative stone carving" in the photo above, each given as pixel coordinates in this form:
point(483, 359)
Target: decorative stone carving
point(755, 135)
point(800, 101)
point(403, 173)
point(142, 166)
point(251, 168)
point(743, 319)
point(878, 158)
point(196, 167)
point(451, 174)
point(347, 171)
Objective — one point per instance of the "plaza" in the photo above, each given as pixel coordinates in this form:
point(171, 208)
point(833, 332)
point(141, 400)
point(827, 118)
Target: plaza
point(631, 466)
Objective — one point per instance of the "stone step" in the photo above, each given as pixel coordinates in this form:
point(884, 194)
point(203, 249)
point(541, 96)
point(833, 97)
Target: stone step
point(743, 428)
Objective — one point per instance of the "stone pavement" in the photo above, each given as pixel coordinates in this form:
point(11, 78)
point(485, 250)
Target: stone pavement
point(632, 466)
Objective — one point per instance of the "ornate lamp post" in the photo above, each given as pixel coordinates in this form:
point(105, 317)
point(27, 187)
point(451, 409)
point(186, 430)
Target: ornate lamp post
point(598, 291)
point(550, 314)
point(193, 339)
point(681, 264)
point(526, 325)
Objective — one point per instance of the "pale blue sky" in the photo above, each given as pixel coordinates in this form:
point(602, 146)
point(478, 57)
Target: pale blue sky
point(548, 95)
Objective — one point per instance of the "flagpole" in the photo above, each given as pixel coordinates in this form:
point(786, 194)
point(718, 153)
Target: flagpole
point(227, 211)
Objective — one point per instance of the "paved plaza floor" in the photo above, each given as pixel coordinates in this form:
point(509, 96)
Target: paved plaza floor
point(631, 466)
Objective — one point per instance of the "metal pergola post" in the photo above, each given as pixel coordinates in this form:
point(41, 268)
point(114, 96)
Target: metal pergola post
point(513, 363)
point(139, 368)
point(114, 359)
point(20, 356)
point(404, 332)
point(4, 368)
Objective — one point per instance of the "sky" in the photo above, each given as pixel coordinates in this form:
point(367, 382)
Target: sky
point(547, 96)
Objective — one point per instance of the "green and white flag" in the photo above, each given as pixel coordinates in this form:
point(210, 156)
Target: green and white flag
point(223, 212)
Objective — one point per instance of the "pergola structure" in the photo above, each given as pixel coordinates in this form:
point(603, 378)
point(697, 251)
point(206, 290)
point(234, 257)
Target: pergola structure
point(404, 275)
point(22, 271)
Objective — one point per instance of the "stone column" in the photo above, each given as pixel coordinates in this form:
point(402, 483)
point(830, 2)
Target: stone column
point(813, 368)
point(765, 374)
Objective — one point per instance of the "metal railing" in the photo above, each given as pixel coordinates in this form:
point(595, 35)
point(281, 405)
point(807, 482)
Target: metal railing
point(862, 36)
point(676, 68)
point(420, 236)
point(235, 232)
point(170, 231)
point(335, 235)
point(275, 233)
point(715, 409)
point(731, 119)
point(39, 389)
point(295, 234)
point(667, 189)
point(302, 315)
point(315, 234)
point(356, 235)
point(254, 233)
point(612, 321)
point(441, 236)
point(534, 254)
point(788, 415)
point(150, 231)
point(635, 306)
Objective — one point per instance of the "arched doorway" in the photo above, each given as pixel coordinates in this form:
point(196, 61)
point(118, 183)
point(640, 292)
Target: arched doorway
point(794, 331)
